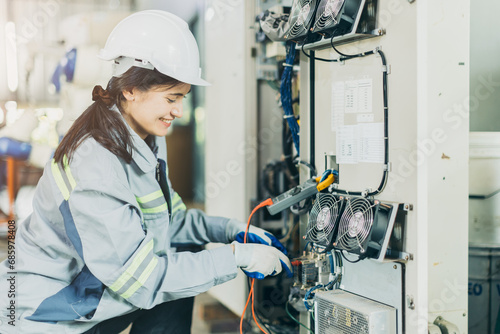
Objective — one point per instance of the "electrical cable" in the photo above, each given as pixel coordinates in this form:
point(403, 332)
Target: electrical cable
point(351, 261)
point(307, 244)
point(312, 112)
point(314, 57)
point(267, 202)
point(289, 230)
point(245, 308)
point(309, 292)
point(286, 94)
point(293, 318)
point(289, 168)
point(253, 309)
point(383, 182)
point(318, 251)
point(484, 196)
point(345, 57)
point(259, 316)
point(326, 173)
point(257, 313)
point(298, 210)
point(308, 165)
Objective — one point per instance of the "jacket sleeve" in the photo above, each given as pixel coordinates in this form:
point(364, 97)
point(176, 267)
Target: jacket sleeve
point(108, 232)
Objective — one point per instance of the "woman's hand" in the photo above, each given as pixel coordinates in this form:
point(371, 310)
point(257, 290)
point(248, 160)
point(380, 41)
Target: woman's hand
point(259, 261)
point(235, 231)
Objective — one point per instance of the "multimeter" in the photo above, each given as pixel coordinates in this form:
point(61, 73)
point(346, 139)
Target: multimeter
point(309, 188)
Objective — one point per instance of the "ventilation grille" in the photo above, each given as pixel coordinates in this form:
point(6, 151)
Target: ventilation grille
point(345, 313)
point(338, 319)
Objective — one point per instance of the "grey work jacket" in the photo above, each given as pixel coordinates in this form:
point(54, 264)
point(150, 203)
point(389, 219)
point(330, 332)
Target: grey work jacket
point(98, 244)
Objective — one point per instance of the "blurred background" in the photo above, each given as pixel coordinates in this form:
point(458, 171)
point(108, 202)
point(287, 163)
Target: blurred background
point(48, 53)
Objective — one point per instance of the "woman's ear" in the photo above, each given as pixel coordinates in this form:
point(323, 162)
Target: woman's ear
point(130, 94)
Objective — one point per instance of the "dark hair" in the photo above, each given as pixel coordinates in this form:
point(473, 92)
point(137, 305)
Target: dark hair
point(106, 126)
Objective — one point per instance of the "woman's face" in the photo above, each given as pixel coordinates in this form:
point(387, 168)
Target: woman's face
point(152, 112)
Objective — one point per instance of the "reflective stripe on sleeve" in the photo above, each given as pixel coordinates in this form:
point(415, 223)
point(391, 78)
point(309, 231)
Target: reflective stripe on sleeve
point(71, 180)
point(142, 279)
point(178, 204)
point(150, 197)
point(58, 177)
point(157, 209)
point(63, 177)
point(144, 264)
point(152, 203)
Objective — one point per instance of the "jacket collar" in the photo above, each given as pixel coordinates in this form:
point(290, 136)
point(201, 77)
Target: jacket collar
point(142, 154)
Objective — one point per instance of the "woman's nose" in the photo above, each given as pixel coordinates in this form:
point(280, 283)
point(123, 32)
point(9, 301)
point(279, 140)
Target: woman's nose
point(177, 111)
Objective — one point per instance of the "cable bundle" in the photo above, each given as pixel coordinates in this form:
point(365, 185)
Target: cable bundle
point(286, 94)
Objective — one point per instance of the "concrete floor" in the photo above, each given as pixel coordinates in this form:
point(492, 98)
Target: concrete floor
point(203, 322)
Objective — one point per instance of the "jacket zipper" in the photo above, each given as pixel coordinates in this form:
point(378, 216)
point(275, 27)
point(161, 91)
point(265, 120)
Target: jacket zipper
point(158, 171)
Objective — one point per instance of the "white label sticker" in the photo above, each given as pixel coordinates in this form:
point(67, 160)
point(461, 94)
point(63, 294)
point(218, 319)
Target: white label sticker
point(338, 105)
point(365, 118)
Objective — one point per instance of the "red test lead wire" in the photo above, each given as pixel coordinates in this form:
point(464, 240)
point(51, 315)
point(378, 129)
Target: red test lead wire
point(267, 202)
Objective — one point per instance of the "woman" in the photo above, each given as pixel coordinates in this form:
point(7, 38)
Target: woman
point(95, 255)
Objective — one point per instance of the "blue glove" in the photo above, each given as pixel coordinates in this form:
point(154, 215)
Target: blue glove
point(235, 231)
point(259, 261)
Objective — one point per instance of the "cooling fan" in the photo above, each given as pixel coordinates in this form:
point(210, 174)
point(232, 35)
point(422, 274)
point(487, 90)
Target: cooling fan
point(323, 219)
point(363, 227)
point(301, 18)
point(336, 17)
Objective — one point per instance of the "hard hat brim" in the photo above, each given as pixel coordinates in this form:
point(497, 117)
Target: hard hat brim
point(199, 82)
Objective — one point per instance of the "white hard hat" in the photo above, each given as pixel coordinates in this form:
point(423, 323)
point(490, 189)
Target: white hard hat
point(155, 39)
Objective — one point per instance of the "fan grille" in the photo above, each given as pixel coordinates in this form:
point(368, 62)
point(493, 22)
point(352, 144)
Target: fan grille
point(328, 14)
point(300, 18)
point(355, 224)
point(322, 218)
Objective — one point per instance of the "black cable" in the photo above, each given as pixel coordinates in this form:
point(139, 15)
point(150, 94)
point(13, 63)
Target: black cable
point(383, 182)
point(298, 210)
point(308, 165)
point(484, 196)
point(262, 322)
point(345, 57)
point(312, 57)
point(291, 171)
point(355, 261)
point(312, 107)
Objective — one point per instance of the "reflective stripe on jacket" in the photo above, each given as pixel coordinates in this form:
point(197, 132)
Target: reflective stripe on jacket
point(98, 244)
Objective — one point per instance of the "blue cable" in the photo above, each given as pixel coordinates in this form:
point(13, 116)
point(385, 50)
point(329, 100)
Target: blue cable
point(307, 244)
point(328, 172)
point(325, 175)
point(319, 286)
point(308, 293)
point(286, 94)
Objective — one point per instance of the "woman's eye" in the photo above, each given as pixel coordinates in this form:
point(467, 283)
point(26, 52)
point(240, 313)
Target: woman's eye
point(170, 100)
